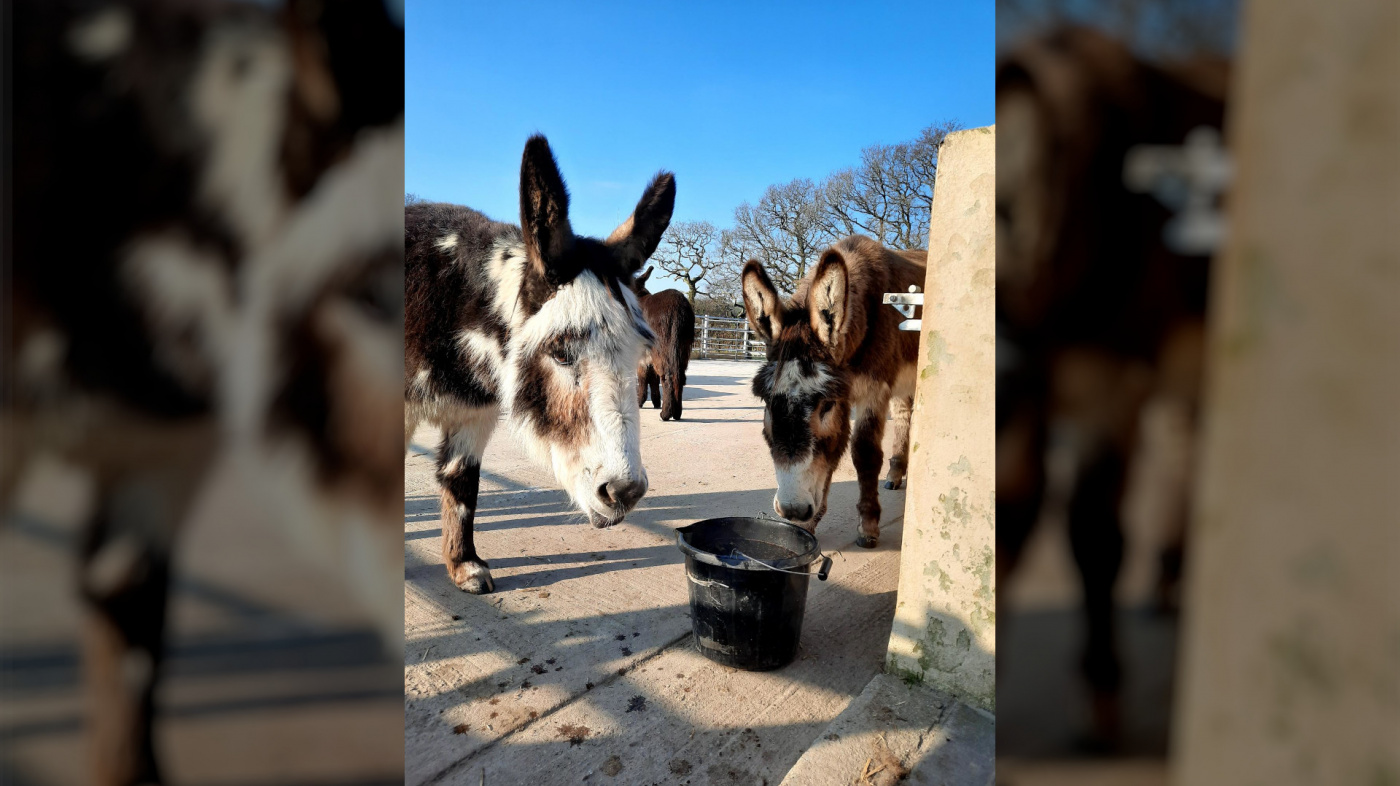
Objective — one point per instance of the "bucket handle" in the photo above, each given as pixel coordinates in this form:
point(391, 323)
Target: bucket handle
point(821, 574)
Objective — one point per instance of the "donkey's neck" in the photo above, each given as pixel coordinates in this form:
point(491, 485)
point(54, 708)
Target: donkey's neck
point(502, 318)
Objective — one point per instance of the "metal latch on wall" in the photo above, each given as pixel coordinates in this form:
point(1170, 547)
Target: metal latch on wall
point(905, 303)
point(1188, 180)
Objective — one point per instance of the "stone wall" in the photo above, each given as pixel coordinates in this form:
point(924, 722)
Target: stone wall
point(945, 620)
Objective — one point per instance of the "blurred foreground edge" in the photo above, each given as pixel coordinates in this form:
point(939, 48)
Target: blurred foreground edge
point(1100, 324)
point(1290, 671)
point(203, 266)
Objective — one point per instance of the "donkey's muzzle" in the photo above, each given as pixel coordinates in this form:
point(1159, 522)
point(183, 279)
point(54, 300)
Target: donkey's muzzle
point(796, 512)
point(622, 494)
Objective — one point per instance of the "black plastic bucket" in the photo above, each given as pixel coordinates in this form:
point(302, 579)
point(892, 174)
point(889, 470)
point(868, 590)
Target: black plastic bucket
point(748, 588)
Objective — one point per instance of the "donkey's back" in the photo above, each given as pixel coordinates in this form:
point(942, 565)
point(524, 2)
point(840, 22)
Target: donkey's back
point(453, 335)
point(885, 352)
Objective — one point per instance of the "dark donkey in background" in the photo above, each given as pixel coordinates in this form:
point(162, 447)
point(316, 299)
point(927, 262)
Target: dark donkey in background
point(663, 369)
point(835, 354)
point(535, 321)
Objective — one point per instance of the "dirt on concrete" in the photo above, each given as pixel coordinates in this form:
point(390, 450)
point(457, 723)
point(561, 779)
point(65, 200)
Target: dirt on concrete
point(883, 768)
point(611, 767)
point(575, 734)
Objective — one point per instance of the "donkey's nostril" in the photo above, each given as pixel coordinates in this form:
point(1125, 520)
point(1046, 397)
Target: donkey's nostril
point(622, 493)
point(794, 513)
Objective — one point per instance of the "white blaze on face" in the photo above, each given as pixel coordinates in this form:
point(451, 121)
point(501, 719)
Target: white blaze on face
point(800, 481)
point(798, 489)
point(790, 380)
point(606, 368)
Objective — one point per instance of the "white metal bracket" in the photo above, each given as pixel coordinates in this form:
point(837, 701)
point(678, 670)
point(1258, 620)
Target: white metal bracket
point(905, 303)
point(1188, 179)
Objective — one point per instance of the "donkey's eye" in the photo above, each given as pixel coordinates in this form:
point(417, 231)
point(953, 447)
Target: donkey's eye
point(826, 408)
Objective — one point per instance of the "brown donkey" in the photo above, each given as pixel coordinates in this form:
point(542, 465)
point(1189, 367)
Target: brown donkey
point(835, 354)
point(1098, 317)
point(663, 368)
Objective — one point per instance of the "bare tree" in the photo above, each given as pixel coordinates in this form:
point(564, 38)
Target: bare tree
point(688, 253)
point(717, 307)
point(409, 199)
point(888, 196)
point(732, 251)
point(785, 230)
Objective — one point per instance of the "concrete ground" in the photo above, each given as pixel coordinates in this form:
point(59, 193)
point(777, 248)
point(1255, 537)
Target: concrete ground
point(579, 667)
point(274, 675)
point(897, 731)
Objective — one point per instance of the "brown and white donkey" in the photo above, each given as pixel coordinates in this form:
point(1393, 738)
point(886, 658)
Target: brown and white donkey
point(538, 323)
point(835, 355)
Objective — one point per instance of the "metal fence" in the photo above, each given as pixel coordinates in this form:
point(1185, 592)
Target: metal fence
point(722, 338)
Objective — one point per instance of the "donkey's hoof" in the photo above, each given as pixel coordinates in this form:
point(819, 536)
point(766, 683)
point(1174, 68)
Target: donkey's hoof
point(473, 578)
point(894, 484)
point(867, 541)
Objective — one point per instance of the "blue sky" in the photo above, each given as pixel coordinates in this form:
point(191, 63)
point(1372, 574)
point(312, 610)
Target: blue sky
point(732, 97)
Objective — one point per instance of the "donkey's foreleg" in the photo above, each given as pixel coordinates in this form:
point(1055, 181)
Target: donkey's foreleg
point(459, 473)
point(642, 385)
point(1096, 540)
point(124, 581)
point(901, 410)
point(867, 455)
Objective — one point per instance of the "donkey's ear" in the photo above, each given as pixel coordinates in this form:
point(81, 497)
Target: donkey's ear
point(762, 305)
point(640, 284)
point(544, 207)
point(828, 301)
point(635, 239)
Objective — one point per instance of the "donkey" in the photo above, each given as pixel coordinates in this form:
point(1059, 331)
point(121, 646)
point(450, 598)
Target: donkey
point(1096, 316)
point(835, 354)
point(663, 369)
point(237, 293)
point(539, 323)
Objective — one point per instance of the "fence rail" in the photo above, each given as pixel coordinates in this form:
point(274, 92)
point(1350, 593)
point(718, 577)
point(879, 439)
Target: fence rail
point(722, 338)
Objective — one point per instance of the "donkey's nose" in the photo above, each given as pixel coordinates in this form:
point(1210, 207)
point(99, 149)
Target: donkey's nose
point(622, 493)
point(793, 512)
